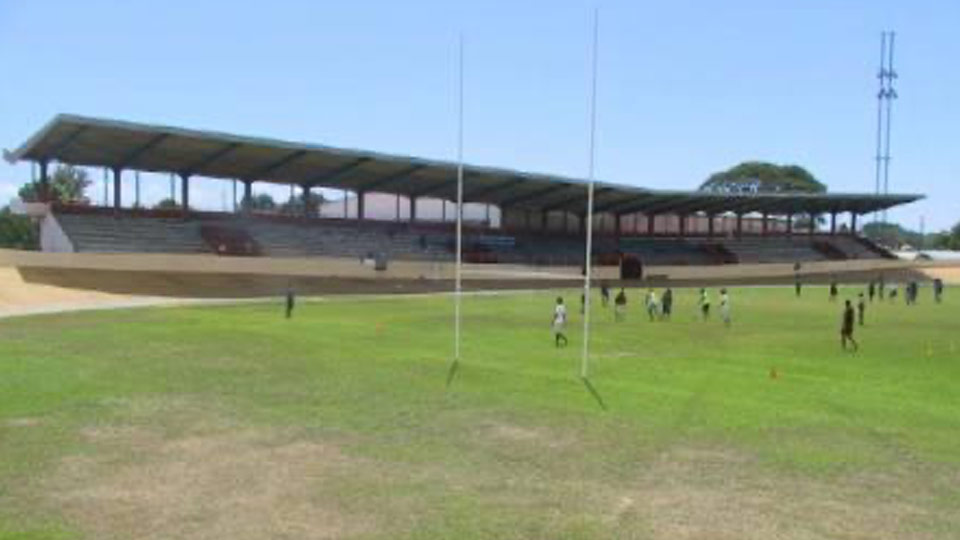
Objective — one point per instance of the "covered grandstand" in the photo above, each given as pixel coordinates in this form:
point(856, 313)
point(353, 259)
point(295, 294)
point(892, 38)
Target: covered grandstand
point(541, 215)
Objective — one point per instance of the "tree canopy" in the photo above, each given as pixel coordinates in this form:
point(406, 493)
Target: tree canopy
point(948, 239)
point(262, 201)
point(17, 232)
point(763, 177)
point(67, 184)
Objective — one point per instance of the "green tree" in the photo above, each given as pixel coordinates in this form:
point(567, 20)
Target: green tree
point(263, 202)
point(763, 177)
point(17, 232)
point(67, 184)
point(294, 205)
point(166, 204)
point(949, 240)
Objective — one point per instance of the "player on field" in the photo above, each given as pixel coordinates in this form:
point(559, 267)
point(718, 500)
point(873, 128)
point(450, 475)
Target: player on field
point(604, 293)
point(846, 330)
point(796, 278)
point(667, 303)
point(620, 305)
point(725, 307)
point(881, 286)
point(291, 300)
point(833, 289)
point(872, 290)
point(894, 291)
point(559, 323)
point(861, 308)
point(653, 307)
point(704, 304)
point(938, 290)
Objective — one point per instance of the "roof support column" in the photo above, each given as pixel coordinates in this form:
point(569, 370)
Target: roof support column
point(813, 223)
point(361, 207)
point(739, 230)
point(43, 193)
point(246, 204)
point(398, 207)
point(617, 224)
point(117, 175)
point(651, 218)
point(710, 219)
point(413, 208)
point(789, 224)
point(136, 189)
point(345, 202)
point(185, 193)
point(833, 223)
point(853, 223)
point(764, 224)
point(307, 199)
point(683, 225)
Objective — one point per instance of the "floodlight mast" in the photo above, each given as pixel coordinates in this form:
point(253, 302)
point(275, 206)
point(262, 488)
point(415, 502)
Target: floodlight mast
point(891, 95)
point(585, 358)
point(881, 76)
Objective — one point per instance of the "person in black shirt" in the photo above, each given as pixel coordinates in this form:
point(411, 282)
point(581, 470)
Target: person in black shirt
point(861, 308)
point(872, 290)
point(604, 293)
point(833, 289)
point(291, 300)
point(620, 305)
point(938, 290)
point(667, 302)
point(846, 330)
point(796, 278)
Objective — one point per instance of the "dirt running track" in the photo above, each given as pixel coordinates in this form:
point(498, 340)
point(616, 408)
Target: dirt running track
point(32, 282)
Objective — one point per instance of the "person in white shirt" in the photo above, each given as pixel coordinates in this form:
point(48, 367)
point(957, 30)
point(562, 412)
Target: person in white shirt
point(725, 307)
point(559, 323)
point(653, 306)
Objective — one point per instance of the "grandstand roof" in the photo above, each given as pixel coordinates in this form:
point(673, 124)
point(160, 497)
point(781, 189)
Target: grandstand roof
point(126, 145)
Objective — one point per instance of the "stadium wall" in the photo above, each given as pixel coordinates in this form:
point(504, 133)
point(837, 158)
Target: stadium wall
point(209, 276)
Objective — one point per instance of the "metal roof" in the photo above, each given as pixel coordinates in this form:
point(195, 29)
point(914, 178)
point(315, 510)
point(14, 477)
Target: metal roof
point(126, 145)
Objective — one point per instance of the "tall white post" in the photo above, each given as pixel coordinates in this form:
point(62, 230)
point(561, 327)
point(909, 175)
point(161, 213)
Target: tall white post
point(458, 293)
point(585, 359)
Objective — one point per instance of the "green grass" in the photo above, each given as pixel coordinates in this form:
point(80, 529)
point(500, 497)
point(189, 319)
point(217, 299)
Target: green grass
point(342, 412)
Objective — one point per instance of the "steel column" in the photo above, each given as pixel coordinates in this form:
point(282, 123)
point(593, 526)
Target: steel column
point(43, 191)
point(185, 192)
point(117, 174)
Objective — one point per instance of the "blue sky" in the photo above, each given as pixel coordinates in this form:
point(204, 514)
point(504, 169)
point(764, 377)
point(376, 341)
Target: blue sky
point(686, 87)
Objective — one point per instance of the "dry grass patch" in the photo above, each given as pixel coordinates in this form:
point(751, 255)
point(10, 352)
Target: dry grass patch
point(236, 485)
point(726, 495)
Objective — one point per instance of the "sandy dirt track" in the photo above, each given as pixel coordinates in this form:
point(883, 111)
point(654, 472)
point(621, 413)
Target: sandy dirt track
point(33, 282)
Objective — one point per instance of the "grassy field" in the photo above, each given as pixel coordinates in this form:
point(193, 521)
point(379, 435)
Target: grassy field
point(231, 422)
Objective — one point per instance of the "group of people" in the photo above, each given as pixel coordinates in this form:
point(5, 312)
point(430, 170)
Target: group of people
point(658, 309)
point(874, 287)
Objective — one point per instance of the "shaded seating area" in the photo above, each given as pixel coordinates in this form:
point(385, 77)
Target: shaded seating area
point(225, 240)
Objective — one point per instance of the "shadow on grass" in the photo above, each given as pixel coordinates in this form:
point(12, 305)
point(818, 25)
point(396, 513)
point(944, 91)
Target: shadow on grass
point(452, 372)
point(593, 392)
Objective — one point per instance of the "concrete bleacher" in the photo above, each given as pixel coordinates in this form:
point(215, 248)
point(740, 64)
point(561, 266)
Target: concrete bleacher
point(129, 234)
point(771, 249)
point(666, 251)
point(92, 230)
